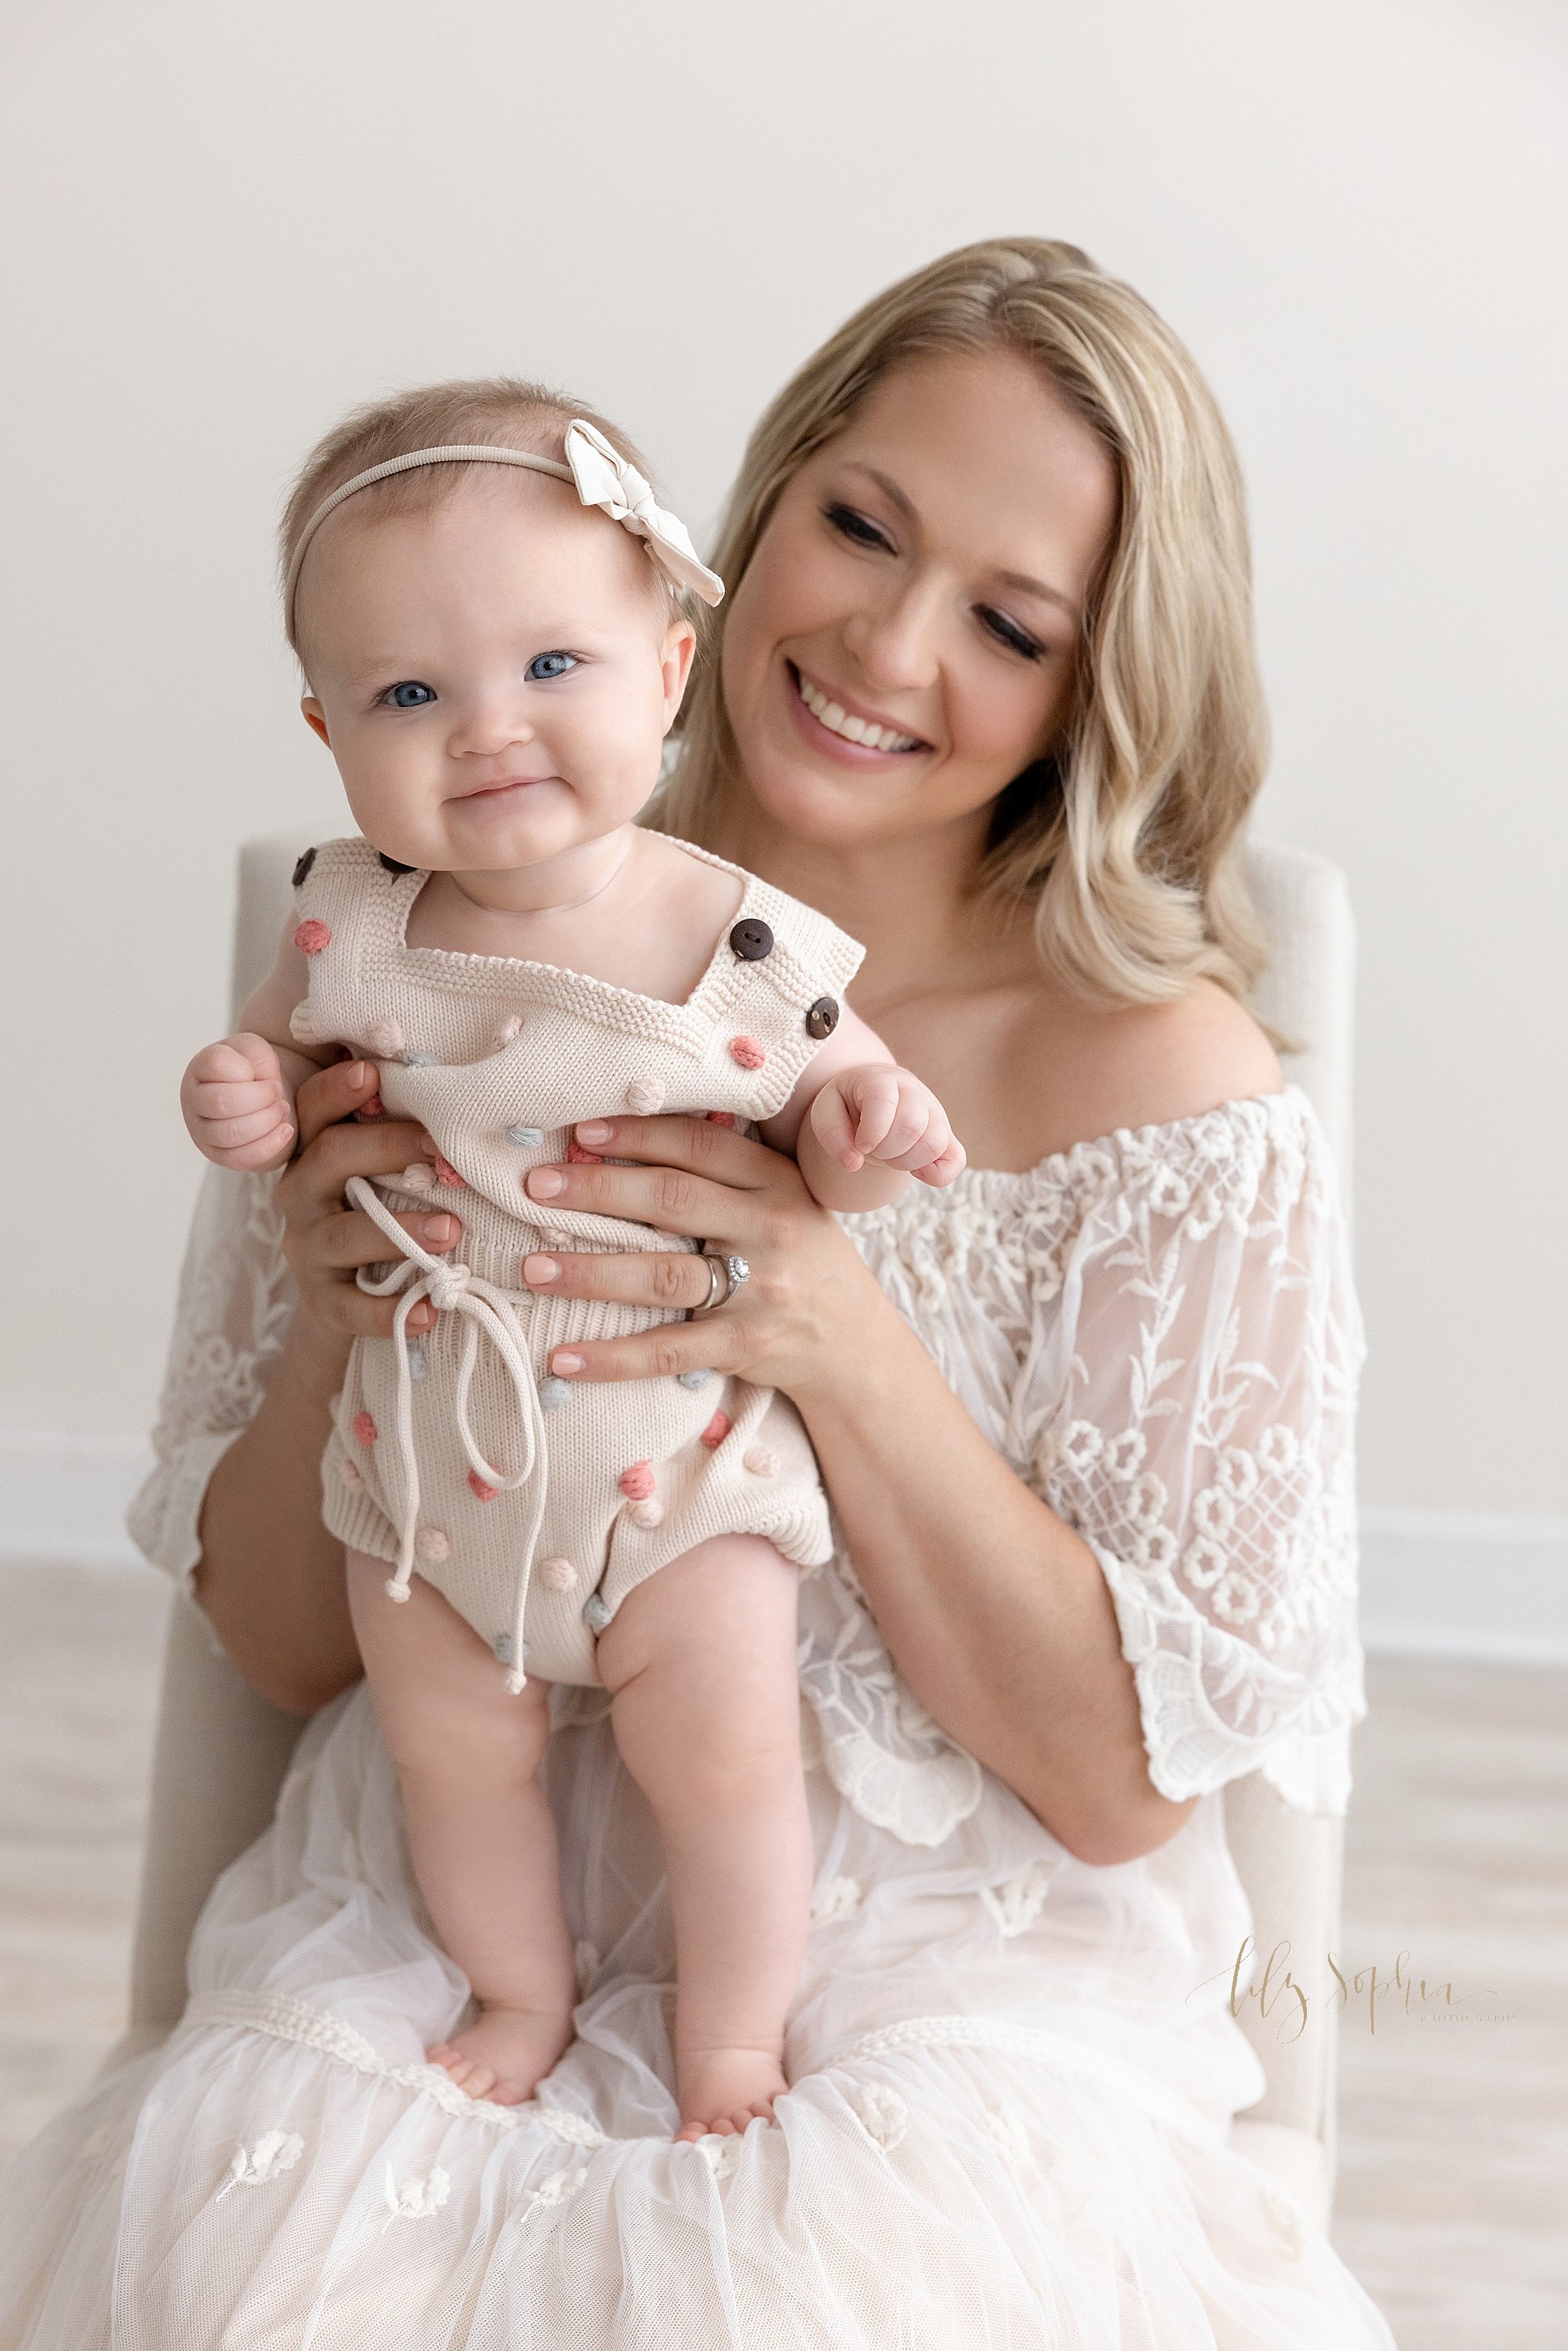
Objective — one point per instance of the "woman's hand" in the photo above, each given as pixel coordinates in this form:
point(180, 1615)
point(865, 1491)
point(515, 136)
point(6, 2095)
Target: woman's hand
point(801, 1322)
point(325, 1241)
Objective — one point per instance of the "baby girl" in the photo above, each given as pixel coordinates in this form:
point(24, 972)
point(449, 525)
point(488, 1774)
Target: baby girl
point(488, 607)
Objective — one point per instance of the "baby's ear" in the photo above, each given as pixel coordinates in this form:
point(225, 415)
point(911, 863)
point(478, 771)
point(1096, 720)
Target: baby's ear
point(680, 645)
point(315, 717)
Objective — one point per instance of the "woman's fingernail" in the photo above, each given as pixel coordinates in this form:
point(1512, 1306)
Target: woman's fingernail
point(594, 1130)
point(540, 1269)
point(440, 1229)
point(546, 1183)
point(564, 1362)
point(357, 1072)
point(423, 1316)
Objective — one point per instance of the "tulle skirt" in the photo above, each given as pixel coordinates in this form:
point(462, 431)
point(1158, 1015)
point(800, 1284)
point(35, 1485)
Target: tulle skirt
point(1008, 2123)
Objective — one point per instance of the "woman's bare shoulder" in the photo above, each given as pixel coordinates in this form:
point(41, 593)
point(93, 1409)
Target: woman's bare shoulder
point(1169, 1061)
point(1078, 1072)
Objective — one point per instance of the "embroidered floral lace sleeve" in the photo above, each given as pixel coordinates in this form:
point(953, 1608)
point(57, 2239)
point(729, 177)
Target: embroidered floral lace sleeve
point(236, 1297)
point(1191, 1414)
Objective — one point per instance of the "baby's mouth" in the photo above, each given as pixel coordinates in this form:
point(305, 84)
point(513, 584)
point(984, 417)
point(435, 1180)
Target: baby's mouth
point(502, 784)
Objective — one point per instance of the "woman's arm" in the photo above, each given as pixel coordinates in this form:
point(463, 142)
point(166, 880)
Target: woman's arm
point(270, 1577)
point(996, 1612)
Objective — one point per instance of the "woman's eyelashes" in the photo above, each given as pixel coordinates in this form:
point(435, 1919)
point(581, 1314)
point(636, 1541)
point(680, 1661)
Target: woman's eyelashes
point(861, 531)
point(1008, 633)
point(855, 528)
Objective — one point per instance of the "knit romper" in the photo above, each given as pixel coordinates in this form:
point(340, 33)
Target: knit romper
point(535, 1505)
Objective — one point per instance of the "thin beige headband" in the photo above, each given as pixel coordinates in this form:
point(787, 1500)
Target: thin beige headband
point(603, 478)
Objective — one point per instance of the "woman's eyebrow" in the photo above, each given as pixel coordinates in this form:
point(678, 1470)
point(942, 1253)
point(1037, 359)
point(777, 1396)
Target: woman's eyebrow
point(1023, 582)
point(1026, 586)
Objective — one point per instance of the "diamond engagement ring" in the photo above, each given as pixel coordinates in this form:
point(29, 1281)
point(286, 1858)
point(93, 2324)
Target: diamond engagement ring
point(734, 1271)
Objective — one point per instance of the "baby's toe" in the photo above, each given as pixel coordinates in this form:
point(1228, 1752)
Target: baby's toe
point(478, 2081)
point(506, 2094)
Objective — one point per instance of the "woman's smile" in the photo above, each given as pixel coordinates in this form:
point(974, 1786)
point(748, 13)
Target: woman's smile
point(865, 736)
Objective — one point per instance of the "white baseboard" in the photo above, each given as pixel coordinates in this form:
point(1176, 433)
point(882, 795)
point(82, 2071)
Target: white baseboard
point(66, 1496)
point(1442, 1584)
point(1465, 1584)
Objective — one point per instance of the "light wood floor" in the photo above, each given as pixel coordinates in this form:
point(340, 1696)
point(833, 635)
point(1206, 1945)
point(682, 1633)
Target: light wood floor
point(1453, 2195)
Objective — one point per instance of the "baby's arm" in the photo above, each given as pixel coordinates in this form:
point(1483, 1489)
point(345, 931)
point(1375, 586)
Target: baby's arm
point(238, 1096)
point(859, 1128)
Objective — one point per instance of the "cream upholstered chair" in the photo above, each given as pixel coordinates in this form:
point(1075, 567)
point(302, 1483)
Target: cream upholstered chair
point(222, 1751)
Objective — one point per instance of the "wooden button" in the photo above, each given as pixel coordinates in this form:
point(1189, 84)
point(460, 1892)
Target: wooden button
point(751, 941)
point(823, 1019)
point(307, 861)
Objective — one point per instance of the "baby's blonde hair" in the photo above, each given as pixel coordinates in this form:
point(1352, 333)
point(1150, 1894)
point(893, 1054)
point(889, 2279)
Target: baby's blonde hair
point(503, 410)
point(1128, 840)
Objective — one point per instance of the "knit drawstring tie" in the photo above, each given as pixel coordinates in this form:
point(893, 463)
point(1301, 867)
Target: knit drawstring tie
point(487, 1311)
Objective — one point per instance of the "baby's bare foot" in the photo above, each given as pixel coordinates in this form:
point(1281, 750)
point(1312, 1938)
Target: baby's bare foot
point(724, 2090)
point(506, 2054)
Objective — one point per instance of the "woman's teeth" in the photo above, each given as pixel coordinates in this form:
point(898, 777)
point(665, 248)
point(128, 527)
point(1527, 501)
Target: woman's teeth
point(831, 715)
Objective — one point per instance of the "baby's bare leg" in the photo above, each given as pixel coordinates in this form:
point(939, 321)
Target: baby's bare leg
point(700, 1660)
point(479, 1827)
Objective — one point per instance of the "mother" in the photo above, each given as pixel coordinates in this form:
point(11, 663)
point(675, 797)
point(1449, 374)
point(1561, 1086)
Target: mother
point(985, 693)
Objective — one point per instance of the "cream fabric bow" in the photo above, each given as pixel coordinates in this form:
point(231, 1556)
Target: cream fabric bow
point(605, 478)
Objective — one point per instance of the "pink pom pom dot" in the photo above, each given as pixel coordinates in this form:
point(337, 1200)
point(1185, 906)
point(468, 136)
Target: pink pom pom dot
point(446, 1174)
point(349, 1476)
point(557, 1574)
point(721, 1118)
point(311, 938)
point(364, 1428)
point(479, 1490)
point(637, 1483)
point(761, 1461)
point(645, 1515)
point(372, 1107)
point(747, 1053)
point(579, 1157)
point(431, 1545)
point(717, 1429)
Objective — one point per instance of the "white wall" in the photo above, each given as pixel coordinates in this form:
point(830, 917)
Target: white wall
point(221, 224)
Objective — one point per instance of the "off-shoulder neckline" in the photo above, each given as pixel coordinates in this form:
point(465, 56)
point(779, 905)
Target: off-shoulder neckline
point(1287, 1104)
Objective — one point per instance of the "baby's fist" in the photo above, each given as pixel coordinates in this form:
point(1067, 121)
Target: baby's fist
point(237, 1105)
point(891, 1116)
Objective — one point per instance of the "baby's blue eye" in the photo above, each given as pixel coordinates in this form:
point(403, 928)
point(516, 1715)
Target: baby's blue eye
point(545, 666)
point(410, 695)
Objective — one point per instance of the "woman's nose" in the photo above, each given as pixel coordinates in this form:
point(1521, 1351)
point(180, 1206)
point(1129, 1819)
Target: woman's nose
point(896, 643)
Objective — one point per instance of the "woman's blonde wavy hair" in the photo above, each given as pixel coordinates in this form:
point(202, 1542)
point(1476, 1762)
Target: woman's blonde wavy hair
point(1128, 839)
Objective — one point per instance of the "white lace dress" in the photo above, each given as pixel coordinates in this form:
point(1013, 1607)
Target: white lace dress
point(1013, 2073)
